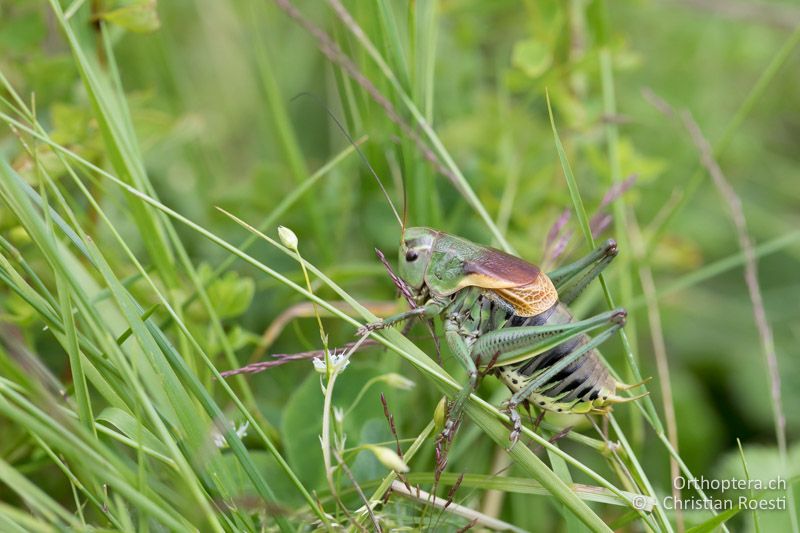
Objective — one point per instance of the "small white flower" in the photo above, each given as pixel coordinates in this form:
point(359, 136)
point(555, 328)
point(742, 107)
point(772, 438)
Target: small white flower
point(288, 238)
point(338, 363)
point(219, 438)
point(338, 415)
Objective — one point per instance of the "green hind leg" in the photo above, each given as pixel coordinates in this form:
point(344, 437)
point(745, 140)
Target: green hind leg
point(512, 344)
point(508, 345)
point(499, 347)
point(570, 280)
point(543, 377)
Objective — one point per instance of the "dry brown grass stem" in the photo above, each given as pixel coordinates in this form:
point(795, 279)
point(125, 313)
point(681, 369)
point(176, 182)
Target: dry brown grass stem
point(782, 16)
point(334, 53)
point(454, 508)
point(734, 204)
point(660, 355)
point(750, 270)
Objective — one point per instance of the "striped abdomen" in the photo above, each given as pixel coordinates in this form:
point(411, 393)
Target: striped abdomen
point(583, 386)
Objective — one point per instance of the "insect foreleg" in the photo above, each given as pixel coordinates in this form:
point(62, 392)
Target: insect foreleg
point(570, 280)
point(431, 309)
point(528, 341)
point(540, 379)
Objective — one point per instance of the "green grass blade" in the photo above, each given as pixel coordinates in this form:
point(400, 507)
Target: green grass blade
point(461, 183)
point(715, 522)
point(87, 452)
point(197, 387)
point(35, 497)
point(583, 222)
point(484, 416)
point(123, 151)
point(528, 486)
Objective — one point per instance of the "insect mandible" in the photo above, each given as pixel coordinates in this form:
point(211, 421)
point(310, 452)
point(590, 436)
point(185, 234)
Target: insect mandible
point(504, 312)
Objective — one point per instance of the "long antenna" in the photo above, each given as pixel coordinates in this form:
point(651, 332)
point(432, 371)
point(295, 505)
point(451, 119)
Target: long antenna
point(362, 156)
point(405, 211)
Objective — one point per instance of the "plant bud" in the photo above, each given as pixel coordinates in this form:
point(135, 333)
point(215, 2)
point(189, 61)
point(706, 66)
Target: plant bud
point(440, 414)
point(288, 238)
point(388, 458)
point(398, 382)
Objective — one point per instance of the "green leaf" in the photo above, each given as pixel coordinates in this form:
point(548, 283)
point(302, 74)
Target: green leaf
point(532, 57)
point(25, 34)
point(237, 338)
point(70, 123)
point(714, 522)
point(139, 16)
point(132, 428)
point(302, 420)
point(230, 294)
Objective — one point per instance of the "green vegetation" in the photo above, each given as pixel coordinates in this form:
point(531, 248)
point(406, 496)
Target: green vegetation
point(150, 150)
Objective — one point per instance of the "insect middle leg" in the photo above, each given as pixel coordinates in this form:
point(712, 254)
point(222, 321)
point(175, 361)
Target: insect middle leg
point(570, 280)
point(462, 352)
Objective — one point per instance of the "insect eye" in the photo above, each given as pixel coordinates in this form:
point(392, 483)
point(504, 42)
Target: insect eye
point(411, 255)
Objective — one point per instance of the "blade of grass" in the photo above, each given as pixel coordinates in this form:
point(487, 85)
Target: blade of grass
point(392, 43)
point(475, 518)
point(583, 220)
point(86, 452)
point(112, 116)
point(423, 34)
point(660, 354)
point(199, 437)
point(623, 264)
point(215, 323)
point(485, 415)
point(14, 520)
point(287, 136)
point(449, 167)
point(715, 522)
point(73, 351)
point(71, 235)
point(756, 523)
point(35, 497)
point(76, 483)
point(424, 208)
point(133, 314)
point(107, 382)
point(35, 227)
point(528, 486)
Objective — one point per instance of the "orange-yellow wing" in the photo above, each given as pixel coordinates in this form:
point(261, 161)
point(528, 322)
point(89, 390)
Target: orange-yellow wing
point(531, 299)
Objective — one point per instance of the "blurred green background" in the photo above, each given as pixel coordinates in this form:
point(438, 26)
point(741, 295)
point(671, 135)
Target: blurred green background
point(211, 89)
